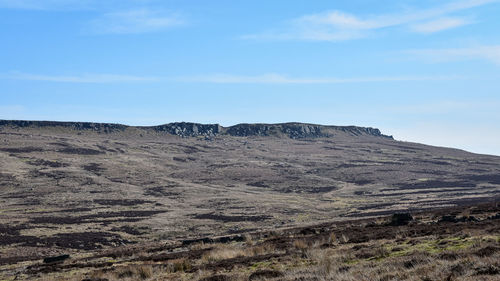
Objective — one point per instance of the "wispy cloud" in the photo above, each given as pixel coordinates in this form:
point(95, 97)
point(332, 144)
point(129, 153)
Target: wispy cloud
point(488, 53)
point(271, 78)
point(283, 79)
point(85, 78)
point(339, 25)
point(115, 16)
point(439, 25)
point(135, 21)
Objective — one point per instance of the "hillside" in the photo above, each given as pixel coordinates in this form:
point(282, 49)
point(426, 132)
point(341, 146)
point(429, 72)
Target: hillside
point(73, 187)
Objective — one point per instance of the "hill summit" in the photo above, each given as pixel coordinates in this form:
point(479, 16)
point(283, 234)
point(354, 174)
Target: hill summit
point(188, 129)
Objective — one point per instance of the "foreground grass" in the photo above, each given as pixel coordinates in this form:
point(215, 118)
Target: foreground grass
point(369, 249)
point(423, 259)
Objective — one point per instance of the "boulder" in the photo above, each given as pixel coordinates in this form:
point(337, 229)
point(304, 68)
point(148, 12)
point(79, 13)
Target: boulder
point(400, 219)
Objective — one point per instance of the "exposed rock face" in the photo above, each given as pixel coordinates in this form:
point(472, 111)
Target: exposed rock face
point(186, 129)
point(100, 127)
point(292, 130)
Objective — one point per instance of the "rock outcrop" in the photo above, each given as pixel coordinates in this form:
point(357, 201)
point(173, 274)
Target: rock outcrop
point(187, 129)
point(292, 130)
point(99, 127)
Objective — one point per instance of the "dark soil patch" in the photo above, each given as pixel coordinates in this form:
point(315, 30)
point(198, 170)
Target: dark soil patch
point(11, 229)
point(159, 191)
point(75, 210)
point(218, 277)
point(76, 240)
point(56, 175)
point(347, 165)
point(183, 159)
point(437, 184)
point(121, 202)
point(94, 168)
point(396, 194)
point(258, 184)
point(135, 215)
point(487, 251)
point(488, 270)
point(13, 260)
point(492, 178)
point(80, 151)
point(61, 144)
point(27, 149)
point(128, 229)
point(224, 218)
point(308, 189)
point(47, 163)
point(434, 162)
point(208, 240)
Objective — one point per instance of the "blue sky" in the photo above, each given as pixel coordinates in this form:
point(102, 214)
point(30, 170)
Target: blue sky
point(424, 71)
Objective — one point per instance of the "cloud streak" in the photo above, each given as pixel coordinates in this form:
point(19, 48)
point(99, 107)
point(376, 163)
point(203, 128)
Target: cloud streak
point(115, 16)
point(439, 25)
point(271, 78)
point(339, 26)
point(283, 79)
point(488, 53)
point(134, 21)
point(86, 78)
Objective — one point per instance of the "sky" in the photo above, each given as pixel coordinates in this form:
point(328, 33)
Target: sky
point(424, 71)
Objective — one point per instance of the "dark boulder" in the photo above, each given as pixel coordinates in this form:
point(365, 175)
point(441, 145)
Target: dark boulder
point(56, 259)
point(399, 219)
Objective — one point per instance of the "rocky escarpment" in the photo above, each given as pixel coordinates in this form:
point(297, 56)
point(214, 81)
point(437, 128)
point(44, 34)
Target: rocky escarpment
point(299, 130)
point(292, 130)
point(99, 127)
point(187, 129)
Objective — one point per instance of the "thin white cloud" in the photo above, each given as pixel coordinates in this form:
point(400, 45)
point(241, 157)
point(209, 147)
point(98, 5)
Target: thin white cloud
point(339, 25)
point(134, 21)
point(86, 78)
point(283, 79)
point(271, 78)
point(488, 53)
point(439, 25)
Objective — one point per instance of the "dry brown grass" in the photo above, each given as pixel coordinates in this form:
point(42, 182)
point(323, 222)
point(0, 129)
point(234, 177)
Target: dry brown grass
point(300, 245)
point(448, 252)
point(223, 252)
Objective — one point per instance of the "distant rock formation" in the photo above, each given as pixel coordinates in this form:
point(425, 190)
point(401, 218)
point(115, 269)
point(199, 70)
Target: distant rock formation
point(100, 127)
point(187, 129)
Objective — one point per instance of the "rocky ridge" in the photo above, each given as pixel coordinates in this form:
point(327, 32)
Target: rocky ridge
point(188, 129)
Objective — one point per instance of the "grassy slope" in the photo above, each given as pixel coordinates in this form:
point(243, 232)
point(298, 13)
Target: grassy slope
point(367, 249)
